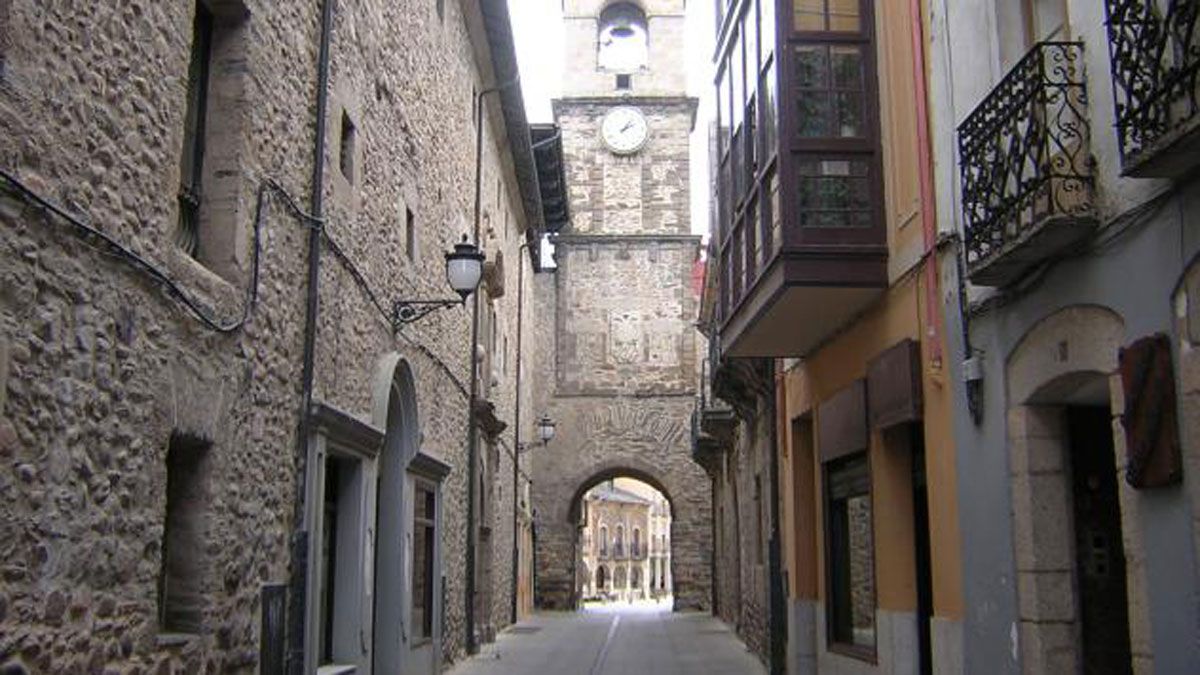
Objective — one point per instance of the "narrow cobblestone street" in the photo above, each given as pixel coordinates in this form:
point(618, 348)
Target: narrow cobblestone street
point(612, 640)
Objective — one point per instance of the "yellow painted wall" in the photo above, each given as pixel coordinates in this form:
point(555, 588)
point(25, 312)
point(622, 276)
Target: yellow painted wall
point(898, 315)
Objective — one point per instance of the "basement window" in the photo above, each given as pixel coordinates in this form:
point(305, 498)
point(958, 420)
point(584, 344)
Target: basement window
point(349, 138)
point(624, 81)
point(181, 588)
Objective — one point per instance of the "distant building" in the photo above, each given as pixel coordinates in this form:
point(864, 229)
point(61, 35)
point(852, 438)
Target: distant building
point(625, 542)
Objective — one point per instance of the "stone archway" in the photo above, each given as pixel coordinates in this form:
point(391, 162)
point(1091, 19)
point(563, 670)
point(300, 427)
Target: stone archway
point(395, 410)
point(1066, 361)
point(690, 535)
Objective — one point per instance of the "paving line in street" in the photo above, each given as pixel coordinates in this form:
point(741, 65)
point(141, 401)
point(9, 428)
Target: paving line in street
point(603, 655)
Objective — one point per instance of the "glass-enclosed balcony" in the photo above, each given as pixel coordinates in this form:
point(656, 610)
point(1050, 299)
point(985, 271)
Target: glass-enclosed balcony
point(1027, 184)
point(800, 236)
point(1155, 56)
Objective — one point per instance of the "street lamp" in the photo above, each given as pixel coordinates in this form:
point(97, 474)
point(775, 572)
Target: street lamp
point(464, 269)
point(545, 429)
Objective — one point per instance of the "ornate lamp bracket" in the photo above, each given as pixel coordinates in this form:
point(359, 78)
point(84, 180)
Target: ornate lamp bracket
point(408, 311)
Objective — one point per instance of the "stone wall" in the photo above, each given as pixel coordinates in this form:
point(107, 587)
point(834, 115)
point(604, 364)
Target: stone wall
point(741, 496)
point(643, 193)
point(98, 366)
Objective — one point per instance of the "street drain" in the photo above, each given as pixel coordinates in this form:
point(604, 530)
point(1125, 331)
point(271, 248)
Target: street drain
point(524, 630)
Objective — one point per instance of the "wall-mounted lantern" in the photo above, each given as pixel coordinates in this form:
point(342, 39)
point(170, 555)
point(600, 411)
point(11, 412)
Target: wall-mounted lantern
point(545, 429)
point(464, 269)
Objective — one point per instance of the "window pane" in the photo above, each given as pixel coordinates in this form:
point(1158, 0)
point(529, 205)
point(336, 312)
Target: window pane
point(834, 193)
point(851, 552)
point(827, 15)
point(844, 16)
point(750, 32)
point(770, 119)
point(723, 110)
point(862, 571)
point(736, 65)
point(766, 31)
point(809, 14)
point(422, 568)
point(812, 67)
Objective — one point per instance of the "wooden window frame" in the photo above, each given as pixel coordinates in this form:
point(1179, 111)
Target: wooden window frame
point(832, 641)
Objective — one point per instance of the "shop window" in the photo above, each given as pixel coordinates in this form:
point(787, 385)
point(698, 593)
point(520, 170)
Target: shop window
point(850, 555)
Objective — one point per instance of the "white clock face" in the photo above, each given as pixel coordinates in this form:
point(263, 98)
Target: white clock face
point(624, 130)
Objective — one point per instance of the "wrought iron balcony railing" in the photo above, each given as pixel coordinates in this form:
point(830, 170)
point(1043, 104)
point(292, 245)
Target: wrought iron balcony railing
point(1025, 158)
point(1155, 53)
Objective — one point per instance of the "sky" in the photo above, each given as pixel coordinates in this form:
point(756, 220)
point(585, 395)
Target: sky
point(539, 36)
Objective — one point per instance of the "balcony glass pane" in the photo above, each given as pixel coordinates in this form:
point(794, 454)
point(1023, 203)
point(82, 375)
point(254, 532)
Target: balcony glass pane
point(770, 112)
point(831, 90)
point(750, 32)
point(753, 251)
point(737, 77)
point(724, 114)
point(844, 16)
point(812, 95)
point(766, 31)
point(809, 15)
point(776, 214)
point(834, 193)
point(827, 15)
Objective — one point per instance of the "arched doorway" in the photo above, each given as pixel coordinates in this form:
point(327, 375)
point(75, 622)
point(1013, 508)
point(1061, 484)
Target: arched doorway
point(1070, 543)
point(615, 517)
point(406, 633)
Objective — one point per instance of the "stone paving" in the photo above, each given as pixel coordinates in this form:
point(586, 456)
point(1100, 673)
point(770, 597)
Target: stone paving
point(615, 640)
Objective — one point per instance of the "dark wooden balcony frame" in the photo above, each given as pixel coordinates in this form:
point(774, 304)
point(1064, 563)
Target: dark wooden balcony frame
point(818, 257)
point(1155, 60)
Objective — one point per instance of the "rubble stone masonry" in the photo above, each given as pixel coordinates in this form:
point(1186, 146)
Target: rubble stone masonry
point(99, 367)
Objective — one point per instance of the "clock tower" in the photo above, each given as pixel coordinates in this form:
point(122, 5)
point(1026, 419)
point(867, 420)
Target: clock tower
point(625, 342)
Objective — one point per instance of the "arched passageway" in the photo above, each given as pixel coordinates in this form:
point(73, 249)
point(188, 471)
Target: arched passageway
point(630, 524)
point(614, 517)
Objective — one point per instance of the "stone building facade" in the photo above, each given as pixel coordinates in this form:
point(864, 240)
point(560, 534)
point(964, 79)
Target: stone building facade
point(164, 509)
point(623, 354)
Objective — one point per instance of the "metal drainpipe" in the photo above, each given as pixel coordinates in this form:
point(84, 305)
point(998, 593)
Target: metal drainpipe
point(516, 544)
point(778, 604)
point(296, 611)
point(928, 215)
point(472, 428)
